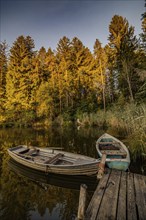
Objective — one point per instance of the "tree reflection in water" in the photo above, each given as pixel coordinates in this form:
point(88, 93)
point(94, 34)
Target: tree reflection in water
point(25, 194)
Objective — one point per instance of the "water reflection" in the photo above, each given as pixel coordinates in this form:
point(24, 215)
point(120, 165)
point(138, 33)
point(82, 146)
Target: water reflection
point(28, 195)
point(43, 180)
point(32, 195)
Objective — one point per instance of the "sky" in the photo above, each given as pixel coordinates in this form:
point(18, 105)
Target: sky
point(47, 21)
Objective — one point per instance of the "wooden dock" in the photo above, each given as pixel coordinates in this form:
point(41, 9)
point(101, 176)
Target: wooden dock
point(119, 195)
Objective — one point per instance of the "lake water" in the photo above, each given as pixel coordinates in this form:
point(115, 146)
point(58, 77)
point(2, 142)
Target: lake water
point(25, 194)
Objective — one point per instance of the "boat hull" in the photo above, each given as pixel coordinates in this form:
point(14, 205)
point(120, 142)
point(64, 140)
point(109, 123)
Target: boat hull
point(119, 165)
point(115, 161)
point(89, 168)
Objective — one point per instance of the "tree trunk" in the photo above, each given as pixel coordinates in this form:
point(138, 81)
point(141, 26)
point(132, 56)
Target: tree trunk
point(130, 89)
point(103, 87)
point(125, 65)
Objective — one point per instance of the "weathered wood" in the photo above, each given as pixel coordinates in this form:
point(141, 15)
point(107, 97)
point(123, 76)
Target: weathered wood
point(108, 206)
point(114, 152)
point(101, 167)
point(70, 164)
point(140, 193)
point(82, 202)
point(123, 161)
point(96, 200)
point(53, 159)
point(121, 209)
point(131, 206)
point(118, 196)
point(32, 151)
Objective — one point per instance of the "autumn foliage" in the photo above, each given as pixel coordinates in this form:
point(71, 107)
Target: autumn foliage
point(42, 85)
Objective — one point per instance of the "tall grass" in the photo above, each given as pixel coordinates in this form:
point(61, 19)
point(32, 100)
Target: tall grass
point(128, 121)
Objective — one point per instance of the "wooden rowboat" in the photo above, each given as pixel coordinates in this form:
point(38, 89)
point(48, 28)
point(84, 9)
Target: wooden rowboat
point(64, 181)
point(117, 154)
point(54, 161)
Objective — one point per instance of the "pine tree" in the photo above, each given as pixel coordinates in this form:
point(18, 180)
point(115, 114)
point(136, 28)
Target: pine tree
point(100, 70)
point(18, 79)
point(143, 34)
point(141, 94)
point(111, 85)
point(82, 65)
point(63, 61)
point(50, 87)
point(3, 72)
point(125, 46)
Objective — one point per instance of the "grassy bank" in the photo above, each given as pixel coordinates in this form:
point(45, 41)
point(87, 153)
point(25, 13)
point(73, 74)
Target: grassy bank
point(127, 121)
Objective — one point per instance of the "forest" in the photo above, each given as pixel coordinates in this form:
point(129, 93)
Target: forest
point(71, 82)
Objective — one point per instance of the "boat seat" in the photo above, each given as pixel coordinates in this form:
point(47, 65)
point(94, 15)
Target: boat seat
point(22, 151)
point(113, 152)
point(33, 152)
point(54, 159)
point(109, 146)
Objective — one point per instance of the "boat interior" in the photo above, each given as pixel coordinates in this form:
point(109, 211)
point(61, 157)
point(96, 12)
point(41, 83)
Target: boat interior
point(112, 148)
point(57, 158)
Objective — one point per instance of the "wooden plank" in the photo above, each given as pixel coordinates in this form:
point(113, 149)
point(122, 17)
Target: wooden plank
point(131, 206)
point(121, 209)
point(109, 202)
point(109, 143)
point(82, 201)
point(53, 159)
point(114, 152)
point(140, 192)
point(96, 200)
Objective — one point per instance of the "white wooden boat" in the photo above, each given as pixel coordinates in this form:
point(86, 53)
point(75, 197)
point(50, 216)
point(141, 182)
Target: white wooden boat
point(117, 154)
point(64, 181)
point(54, 161)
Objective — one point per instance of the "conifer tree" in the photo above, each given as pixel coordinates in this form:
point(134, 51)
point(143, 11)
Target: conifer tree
point(18, 79)
point(82, 67)
point(141, 94)
point(125, 45)
point(3, 71)
point(143, 34)
point(100, 70)
point(63, 61)
point(47, 92)
point(111, 85)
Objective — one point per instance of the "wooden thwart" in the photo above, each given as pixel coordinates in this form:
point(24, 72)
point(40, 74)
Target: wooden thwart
point(114, 152)
point(54, 159)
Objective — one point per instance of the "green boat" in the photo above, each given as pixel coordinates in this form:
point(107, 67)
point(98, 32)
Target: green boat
point(117, 154)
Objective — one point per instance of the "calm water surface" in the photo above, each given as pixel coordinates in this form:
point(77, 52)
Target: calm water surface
point(27, 194)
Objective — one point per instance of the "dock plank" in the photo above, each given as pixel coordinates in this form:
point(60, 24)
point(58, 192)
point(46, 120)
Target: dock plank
point(118, 196)
point(131, 206)
point(95, 202)
point(109, 202)
point(140, 192)
point(121, 208)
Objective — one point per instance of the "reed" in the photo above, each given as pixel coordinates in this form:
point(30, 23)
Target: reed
point(128, 121)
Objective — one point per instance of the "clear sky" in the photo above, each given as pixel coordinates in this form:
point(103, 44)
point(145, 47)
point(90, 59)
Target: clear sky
point(47, 21)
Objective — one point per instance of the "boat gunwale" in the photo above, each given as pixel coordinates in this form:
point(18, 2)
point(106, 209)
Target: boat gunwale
point(43, 165)
point(126, 159)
